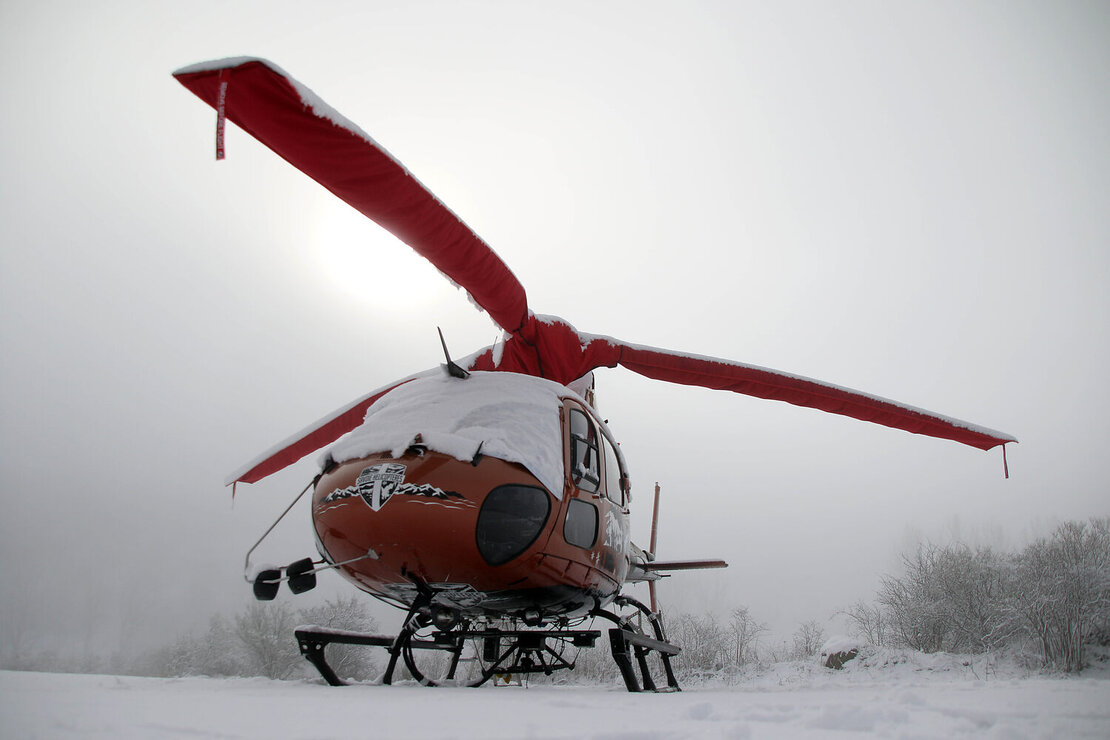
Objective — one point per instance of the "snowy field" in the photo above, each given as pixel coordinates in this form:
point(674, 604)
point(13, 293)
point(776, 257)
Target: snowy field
point(917, 698)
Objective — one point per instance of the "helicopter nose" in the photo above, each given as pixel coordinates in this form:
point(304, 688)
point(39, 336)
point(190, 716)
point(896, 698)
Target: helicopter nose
point(446, 521)
point(510, 520)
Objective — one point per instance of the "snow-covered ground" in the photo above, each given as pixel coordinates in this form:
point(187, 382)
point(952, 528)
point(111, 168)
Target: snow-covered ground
point(896, 695)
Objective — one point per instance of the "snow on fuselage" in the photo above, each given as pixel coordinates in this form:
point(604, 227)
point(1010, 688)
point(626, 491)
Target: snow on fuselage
point(500, 493)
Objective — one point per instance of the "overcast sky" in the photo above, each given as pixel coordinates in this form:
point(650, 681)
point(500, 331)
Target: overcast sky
point(907, 199)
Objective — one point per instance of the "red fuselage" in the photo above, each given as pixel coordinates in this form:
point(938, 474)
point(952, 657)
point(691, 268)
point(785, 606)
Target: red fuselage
point(484, 535)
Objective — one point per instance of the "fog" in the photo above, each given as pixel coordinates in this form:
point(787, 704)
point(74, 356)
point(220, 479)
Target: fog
point(910, 200)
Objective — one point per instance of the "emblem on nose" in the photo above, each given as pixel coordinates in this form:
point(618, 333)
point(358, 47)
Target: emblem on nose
point(377, 483)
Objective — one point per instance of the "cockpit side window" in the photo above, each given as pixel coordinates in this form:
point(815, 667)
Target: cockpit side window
point(612, 475)
point(580, 528)
point(584, 457)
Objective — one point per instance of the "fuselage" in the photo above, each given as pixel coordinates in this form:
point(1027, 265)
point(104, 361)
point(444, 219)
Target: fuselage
point(499, 494)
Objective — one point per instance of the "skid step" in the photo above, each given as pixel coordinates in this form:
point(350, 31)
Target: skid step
point(625, 644)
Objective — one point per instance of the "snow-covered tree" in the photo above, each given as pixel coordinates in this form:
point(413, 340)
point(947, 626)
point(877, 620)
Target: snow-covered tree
point(1055, 594)
point(913, 605)
point(948, 598)
point(869, 622)
point(972, 585)
point(744, 633)
point(1063, 590)
point(705, 645)
point(259, 641)
point(265, 633)
point(215, 653)
point(808, 639)
point(348, 661)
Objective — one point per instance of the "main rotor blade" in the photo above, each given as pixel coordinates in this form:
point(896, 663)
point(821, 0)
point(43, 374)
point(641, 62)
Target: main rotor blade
point(550, 347)
point(762, 382)
point(319, 434)
point(292, 121)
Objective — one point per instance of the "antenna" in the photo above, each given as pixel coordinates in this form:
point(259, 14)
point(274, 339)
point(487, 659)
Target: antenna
point(452, 368)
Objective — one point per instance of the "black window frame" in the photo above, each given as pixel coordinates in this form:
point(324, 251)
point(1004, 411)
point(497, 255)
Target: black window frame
point(614, 491)
point(584, 449)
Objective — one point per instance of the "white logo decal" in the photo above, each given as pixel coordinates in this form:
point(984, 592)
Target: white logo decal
point(616, 530)
point(377, 483)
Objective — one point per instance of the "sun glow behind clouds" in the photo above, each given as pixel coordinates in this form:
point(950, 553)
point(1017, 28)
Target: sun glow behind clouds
point(366, 264)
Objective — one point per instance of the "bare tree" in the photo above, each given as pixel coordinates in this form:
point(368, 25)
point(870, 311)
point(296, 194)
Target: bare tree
point(869, 622)
point(808, 639)
point(349, 661)
point(744, 632)
point(217, 652)
point(1064, 590)
point(949, 598)
point(703, 642)
point(913, 603)
point(265, 633)
point(971, 584)
point(259, 641)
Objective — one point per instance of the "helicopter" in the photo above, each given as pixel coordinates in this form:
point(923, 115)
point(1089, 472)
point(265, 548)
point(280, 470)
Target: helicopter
point(485, 497)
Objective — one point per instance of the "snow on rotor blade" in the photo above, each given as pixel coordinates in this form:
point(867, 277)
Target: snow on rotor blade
point(296, 124)
point(761, 382)
point(315, 436)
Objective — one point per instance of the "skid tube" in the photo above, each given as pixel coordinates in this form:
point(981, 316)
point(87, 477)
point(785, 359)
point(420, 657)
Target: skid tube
point(504, 651)
point(312, 641)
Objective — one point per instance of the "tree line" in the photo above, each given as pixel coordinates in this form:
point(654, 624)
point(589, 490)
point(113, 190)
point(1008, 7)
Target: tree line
point(1049, 602)
point(1046, 604)
point(257, 641)
point(1050, 599)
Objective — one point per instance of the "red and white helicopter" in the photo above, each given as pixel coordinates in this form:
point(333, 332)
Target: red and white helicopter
point(485, 497)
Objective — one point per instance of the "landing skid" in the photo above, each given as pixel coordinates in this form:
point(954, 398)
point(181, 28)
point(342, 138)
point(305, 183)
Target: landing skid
point(469, 657)
point(461, 657)
point(313, 640)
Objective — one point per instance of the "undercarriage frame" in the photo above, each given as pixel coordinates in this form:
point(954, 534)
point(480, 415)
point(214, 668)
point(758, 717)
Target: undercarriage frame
point(498, 652)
